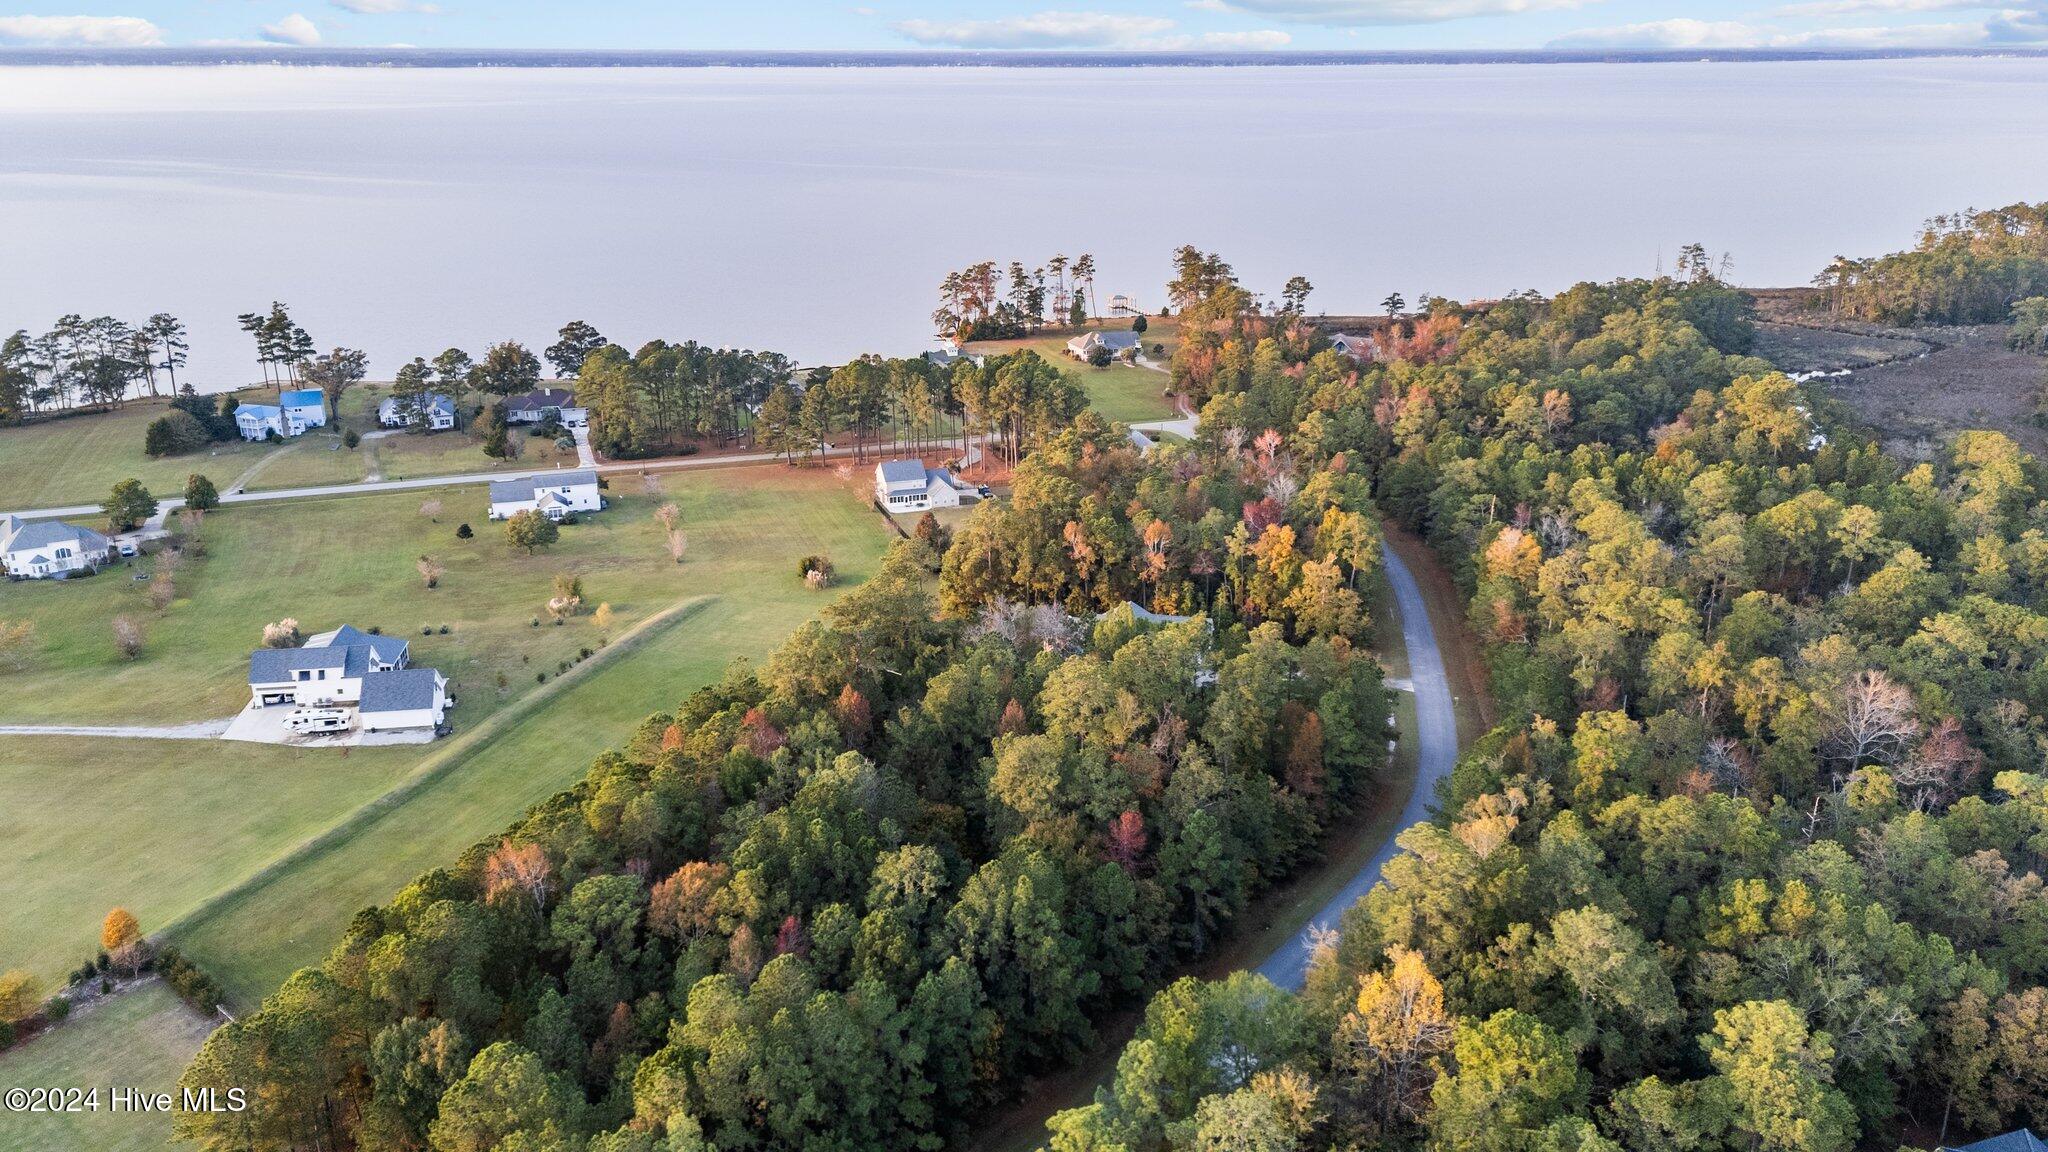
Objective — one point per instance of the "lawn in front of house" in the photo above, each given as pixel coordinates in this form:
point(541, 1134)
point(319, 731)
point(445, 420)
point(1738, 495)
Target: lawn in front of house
point(161, 826)
point(353, 559)
point(1120, 391)
point(140, 1039)
point(78, 459)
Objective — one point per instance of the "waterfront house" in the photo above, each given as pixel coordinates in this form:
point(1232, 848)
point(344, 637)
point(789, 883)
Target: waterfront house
point(294, 412)
point(1122, 345)
point(398, 412)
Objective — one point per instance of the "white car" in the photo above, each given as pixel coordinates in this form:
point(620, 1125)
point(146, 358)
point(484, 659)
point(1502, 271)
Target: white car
point(317, 720)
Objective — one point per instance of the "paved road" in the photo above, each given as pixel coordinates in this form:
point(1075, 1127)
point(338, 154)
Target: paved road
point(171, 503)
point(1436, 735)
point(203, 730)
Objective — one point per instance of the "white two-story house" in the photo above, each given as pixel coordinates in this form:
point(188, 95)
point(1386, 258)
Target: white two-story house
point(397, 412)
point(294, 412)
point(909, 486)
point(351, 667)
point(554, 495)
point(46, 549)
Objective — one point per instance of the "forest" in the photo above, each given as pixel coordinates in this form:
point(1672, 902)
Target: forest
point(1752, 860)
point(1969, 267)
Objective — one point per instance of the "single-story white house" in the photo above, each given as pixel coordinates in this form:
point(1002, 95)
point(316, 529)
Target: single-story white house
point(397, 412)
point(554, 495)
point(350, 666)
point(1356, 347)
point(1123, 345)
point(46, 549)
point(544, 404)
point(909, 486)
point(293, 413)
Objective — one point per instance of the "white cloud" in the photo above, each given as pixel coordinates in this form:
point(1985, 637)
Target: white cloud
point(1044, 30)
point(1855, 7)
point(385, 7)
point(80, 31)
point(1039, 30)
point(1353, 13)
point(293, 29)
point(1686, 34)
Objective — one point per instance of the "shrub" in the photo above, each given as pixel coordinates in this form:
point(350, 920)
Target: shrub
point(175, 433)
point(350, 439)
point(285, 633)
point(540, 677)
point(444, 629)
point(814, 563)
point(464, 532)
point(56, 1008)
point(192, 985)
point(128, 637)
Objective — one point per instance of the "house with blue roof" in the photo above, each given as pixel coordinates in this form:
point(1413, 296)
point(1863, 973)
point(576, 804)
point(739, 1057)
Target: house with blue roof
point(294, 412)
point(2017, 1140)
point(351, 668)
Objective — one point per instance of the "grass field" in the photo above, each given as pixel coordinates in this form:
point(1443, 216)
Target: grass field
point(352, 560)
point(160, 826)
point(77, 459)
point(140, 1039)
point(1121, 391)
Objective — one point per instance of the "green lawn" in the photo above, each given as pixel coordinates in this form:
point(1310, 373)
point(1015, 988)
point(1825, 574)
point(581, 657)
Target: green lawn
point(161, 826)
point(155, 826)
point(1121, 391)
point(77, 459)
point(140, 1039)
point(353, 560)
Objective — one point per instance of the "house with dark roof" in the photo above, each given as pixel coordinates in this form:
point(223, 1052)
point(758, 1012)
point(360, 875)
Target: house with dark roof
point(351, 667)
point(554, 495)
point(2017, 1140)
point(50, 549)
point(909, 486)
point(294, 412)
point(544, 404)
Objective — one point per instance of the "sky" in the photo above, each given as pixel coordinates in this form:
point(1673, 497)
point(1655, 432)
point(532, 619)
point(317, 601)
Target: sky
point(1115, 25)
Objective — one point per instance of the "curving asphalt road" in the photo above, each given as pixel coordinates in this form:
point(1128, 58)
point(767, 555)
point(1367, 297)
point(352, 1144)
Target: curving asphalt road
point(1436, 736)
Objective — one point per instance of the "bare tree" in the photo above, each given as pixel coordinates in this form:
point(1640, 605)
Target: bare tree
point(1870, 721)
point(431, 571)
point(127, 637)
point(1941, 768)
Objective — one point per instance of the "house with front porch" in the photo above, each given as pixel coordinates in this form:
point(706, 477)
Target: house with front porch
point(294, 412)
point(350, 667)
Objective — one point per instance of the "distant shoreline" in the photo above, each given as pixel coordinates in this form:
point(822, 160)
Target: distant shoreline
point(920, 58)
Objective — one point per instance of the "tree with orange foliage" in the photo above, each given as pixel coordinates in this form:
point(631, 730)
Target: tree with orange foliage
point(519, 872)
point(682, 906)
point(1393, 1038)
point(855, 720)
point(1126, 840)
point(120, 928)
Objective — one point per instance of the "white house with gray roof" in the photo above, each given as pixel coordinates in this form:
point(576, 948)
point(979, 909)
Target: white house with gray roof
point(1121, 344)
point(49, 549)
point(351, 667)
point(399, 412)
point(909, 486)
point(553, 494)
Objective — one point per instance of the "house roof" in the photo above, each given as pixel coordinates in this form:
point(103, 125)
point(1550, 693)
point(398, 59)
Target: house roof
point(404, 691)
point(260, 411)
point(529, 487)
point(1119, 340)
point(44, 533)
point(2018, 1140)
point(303, 398)
point(435, 402)
point(540, 398)
point(276, 665)
point(388, 648)
point(900, 473)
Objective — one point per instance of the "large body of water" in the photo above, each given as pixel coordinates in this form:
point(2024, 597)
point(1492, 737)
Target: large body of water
point(813, 211)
